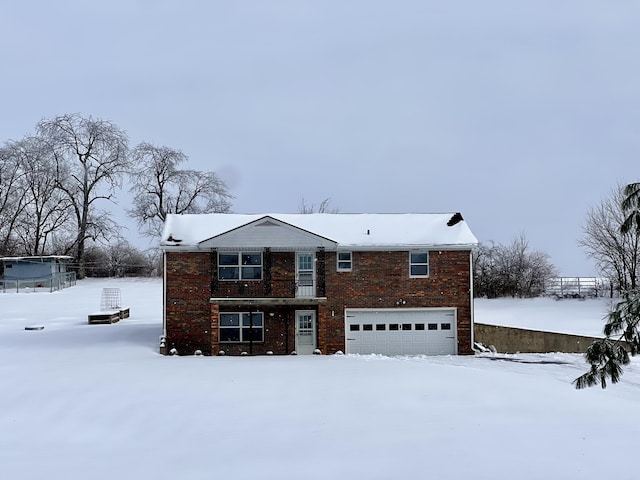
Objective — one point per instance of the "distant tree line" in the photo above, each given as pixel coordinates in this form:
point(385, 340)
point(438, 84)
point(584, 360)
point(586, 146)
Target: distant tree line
point(56, 185)
point(512, 270)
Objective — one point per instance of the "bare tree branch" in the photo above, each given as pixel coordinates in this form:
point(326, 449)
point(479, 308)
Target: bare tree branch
point(616, 253)
point(160, 187)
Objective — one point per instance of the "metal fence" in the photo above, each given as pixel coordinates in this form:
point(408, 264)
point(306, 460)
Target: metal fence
point(578, 287)
point(49, 283)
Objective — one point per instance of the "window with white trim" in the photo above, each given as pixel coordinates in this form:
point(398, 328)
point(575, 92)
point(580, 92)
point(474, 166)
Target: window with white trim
point(240, 266)
point(345, 261)
point(241, 327)
point(419, 264)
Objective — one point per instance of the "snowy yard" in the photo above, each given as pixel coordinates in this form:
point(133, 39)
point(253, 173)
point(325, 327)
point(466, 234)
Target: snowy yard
point(97, 401)
point(579, 317)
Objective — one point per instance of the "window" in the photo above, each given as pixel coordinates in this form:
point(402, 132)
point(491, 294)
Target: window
point(367, 327)
point(240, 266)
point(393, 326)
point(433, 326)
point(344, 261)
point(419, 326)
point(239, 327)
point(419, 264)
point(305, 273)
point(354, 327)
point(380, 326)
point(406, 326)
point(445, 326)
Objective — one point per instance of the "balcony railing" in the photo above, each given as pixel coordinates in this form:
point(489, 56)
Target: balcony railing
point(272, 288)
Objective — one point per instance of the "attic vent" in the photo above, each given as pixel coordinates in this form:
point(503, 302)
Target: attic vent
point(266, 223)
point(457, 218)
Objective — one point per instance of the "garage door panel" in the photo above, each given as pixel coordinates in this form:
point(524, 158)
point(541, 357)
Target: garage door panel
point(401, 332)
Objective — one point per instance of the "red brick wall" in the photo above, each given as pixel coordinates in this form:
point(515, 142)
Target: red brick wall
point(188, 312)
point(377, 280)
point(381, 279)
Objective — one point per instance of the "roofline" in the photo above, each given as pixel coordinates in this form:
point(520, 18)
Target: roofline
point(30, 257)
point(359, 248)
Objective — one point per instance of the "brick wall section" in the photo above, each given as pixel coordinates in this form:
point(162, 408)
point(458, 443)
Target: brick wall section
point(188, 312)
point(281, 278)
point(279, 335)
point(381, 279)
point(377, 280)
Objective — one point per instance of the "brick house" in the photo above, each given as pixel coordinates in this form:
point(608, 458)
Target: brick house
point(392, 284)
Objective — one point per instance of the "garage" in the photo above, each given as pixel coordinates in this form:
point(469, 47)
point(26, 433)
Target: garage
point(425, 331)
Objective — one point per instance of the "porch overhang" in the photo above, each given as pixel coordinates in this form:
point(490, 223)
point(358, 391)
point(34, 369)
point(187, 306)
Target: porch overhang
point(267, 301)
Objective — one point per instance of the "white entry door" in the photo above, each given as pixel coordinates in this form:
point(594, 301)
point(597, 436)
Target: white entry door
point(305, 275)
point(305, 332)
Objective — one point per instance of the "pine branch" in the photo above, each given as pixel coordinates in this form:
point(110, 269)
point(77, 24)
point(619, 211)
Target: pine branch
point(606, 357)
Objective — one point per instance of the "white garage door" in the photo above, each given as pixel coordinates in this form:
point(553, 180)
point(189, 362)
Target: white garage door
point(401, 332)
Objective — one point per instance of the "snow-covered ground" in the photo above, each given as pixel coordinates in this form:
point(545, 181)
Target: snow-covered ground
point(579, 317)
point(97, 401)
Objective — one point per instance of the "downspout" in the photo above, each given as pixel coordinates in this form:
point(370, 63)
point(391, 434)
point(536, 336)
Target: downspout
point(164, 294)
point(471, 301)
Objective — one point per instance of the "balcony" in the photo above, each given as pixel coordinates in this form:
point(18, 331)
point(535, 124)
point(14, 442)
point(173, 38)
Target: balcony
point(272, 292)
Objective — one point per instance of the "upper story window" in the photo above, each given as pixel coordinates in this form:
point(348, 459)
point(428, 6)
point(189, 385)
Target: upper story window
point(345, 261)
point(419, 264)
point(240, 266)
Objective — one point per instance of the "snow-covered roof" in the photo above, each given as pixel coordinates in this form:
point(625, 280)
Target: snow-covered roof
point(37, 257)
point(343, 229)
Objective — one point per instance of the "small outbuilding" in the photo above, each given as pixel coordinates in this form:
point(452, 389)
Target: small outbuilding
point(46, 272)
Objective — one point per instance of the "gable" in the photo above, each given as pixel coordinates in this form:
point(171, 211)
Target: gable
point(267, 232)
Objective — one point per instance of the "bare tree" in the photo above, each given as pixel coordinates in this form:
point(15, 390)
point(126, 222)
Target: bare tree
point(612, 238)
point(91, 157)
point(45, 212)
point(324, 207)
point(513, 270)
point(118, 259)
point(615, 249)
point(12, 198)
point(160, 187)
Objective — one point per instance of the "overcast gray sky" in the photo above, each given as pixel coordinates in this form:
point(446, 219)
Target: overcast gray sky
point(521, 115)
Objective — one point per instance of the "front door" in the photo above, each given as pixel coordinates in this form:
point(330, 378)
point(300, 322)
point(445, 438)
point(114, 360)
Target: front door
point(305, 275)
point(305, 332)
